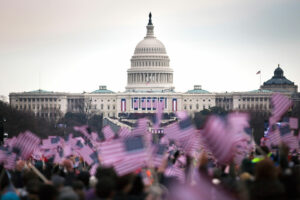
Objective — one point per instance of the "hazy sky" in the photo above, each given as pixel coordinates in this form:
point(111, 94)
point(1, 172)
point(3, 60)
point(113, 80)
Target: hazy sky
point(76, 45)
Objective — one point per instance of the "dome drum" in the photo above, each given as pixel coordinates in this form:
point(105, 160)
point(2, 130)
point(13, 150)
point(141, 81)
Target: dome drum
point(150, 69)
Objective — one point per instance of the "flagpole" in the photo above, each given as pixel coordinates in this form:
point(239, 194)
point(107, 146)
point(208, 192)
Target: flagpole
point(259, 79)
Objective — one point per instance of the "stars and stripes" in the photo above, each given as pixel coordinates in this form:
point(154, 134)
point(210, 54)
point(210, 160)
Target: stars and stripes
point(280, 104)
point(293, 122)
point(219, 141)
point(124, 132)
point(25, 144)
point(132, 147)
point(123, 105)
point(108, 133)
point(174, 105)
point(136, 104)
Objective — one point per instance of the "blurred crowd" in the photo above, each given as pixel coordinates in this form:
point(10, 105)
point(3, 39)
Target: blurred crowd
point(263, 175)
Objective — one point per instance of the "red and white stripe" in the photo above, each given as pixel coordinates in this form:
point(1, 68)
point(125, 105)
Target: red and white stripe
point(281, 104)
point(174, 105)
point(123, 105)
point(108, 133)
point(293, 122)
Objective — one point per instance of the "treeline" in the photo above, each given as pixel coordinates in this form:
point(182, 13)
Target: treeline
point(13, 122)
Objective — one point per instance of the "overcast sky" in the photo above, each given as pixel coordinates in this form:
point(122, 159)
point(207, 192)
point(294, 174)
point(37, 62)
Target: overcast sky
point(76, 45)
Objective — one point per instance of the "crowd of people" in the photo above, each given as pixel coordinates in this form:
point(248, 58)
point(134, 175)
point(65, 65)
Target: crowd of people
point(219, 162)
point(263, 175)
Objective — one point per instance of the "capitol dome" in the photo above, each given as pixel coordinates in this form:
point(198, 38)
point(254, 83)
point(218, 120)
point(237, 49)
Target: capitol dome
point(150, 71)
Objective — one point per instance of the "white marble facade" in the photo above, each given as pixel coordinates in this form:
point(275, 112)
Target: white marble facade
point(149, 80)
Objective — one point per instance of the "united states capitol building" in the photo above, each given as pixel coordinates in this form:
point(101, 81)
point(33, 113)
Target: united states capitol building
point(149, 81)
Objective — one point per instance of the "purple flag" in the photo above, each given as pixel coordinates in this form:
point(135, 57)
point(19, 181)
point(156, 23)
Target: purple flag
point(108, 133)
point(281, 104)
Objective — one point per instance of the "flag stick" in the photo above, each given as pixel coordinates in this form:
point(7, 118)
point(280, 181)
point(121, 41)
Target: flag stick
point(35, 170)
point(259, 79)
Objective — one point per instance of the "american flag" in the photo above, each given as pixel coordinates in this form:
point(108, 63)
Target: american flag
point(126, 166)
point(180, 130)
point(176, 172)
point(158, 115)
point(154, 103)
point(218, 139)
point(59, 155)
point(273, 136)
point(141, 127)
point(51, 142)
point(293, 122)
point(133, 147)
point(124, 132)
point(108, 133)
point(148, 104)
point(10, 162)
point(237, 122)
point(86, 152)
point(287, 136)
point(143, 103)
point(158, 154)
point(26, 144)
point(281, 104)
point(135, 104)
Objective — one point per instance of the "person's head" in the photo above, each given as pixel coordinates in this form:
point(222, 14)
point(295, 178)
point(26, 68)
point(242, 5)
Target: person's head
point(105, 188)
point(32, 188)
point(67, 193)
point(84, 177)
point(106, 172)
point(48, 192)
point(265, 170)
point(58, 182)
point(78, 188)
point(68, 164)
point(124, 183)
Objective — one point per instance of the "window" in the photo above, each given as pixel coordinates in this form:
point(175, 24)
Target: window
point(191, 107)
point(108, 107)
point(197, 106)
point(184, 107)
point(203, 107)
point(17, 107)
point(101, 106)
point(114, 107)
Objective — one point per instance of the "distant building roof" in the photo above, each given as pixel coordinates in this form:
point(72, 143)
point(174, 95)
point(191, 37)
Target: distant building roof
point(102, 89)
point(39, 91)
point(197, 90)
point(278, 78)
point(260, 91)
